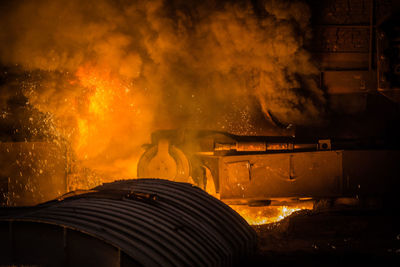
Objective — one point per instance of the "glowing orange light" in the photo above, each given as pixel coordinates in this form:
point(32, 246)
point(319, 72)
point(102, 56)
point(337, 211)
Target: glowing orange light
point(113, 119)
point(268, 214)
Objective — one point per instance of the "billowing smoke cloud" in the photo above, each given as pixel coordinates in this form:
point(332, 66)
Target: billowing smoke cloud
point(180, 63)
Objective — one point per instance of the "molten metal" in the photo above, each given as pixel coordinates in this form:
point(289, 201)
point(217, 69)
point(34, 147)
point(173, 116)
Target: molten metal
point(269, 214)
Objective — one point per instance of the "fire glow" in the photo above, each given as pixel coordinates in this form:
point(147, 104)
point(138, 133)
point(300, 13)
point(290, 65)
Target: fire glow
point(268, 214)
point(106, 109)
point(145, 66)
point(136, 67)
point(109, 111)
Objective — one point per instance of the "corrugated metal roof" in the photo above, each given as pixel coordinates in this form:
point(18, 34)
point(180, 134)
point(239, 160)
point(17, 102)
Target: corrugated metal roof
point(156, 222)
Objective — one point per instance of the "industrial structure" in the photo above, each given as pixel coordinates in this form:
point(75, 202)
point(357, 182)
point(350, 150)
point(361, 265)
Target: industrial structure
point(171, 216)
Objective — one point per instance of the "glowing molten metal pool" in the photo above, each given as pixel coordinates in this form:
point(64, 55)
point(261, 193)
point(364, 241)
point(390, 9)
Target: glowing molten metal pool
point(268, 214)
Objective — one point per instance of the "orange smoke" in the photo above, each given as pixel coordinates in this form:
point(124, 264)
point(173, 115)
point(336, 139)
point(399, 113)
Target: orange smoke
point(142, 65)
point(112, 115)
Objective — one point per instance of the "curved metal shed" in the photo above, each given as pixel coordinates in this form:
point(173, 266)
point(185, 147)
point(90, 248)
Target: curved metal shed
point(145, 222)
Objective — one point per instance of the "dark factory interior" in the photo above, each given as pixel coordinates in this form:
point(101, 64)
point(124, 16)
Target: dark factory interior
point(199, 133)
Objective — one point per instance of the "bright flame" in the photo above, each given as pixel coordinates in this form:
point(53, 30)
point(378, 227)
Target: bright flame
point(100, 95)
point(268, 214)
point(113, 120)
